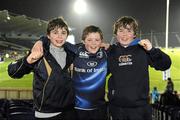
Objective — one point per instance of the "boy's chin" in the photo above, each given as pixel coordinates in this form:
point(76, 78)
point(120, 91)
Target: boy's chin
point(124, 43)
point(58, 45)
point(93, 50)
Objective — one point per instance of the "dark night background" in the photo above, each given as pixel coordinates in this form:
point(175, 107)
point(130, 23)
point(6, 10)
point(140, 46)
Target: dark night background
point(151, 14)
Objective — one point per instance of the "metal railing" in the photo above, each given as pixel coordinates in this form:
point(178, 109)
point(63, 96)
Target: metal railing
point(15, 93)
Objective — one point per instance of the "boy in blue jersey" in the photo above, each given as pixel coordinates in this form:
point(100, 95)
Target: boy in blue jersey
point(89, 73)
point(128, 63)
point(90, 68)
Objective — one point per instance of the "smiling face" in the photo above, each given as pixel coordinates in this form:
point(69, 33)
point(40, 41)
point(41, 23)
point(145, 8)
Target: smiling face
point(125, 35)
point(92, 38)
point(125, 29)
point(92, 42)
point(58, 36)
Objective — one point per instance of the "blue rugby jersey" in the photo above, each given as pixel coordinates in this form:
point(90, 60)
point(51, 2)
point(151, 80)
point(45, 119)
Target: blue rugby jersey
point(88, 76)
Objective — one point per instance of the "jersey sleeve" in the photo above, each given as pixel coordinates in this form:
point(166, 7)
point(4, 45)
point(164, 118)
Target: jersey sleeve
point(71, 47)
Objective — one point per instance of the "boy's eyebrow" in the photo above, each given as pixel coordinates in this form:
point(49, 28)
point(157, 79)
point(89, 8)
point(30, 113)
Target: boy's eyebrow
point(126, 27)
point(130, 28)
point(64, 30)
point(56, 29)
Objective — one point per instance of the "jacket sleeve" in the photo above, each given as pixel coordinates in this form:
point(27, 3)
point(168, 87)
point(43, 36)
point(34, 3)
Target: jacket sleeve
point(45, 41)
point(19, 68)
point(71, 47)
point(158, 59)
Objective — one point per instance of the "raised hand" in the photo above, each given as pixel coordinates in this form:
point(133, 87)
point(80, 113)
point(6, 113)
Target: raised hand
point(36, 52)
point(38, 47)
point(146, 44)
point(105, 45)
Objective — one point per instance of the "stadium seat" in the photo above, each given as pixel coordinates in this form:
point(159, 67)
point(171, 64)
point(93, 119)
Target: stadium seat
point(175, 113)
point(3, 106)
point(19, 109)
point(21, 116)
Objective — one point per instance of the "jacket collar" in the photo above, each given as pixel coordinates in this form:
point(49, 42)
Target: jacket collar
point(133, 43)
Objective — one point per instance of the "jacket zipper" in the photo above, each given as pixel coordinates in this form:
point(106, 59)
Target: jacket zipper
point(42, 100)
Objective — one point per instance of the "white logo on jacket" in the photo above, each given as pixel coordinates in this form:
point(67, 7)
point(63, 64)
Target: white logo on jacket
point(125, 60)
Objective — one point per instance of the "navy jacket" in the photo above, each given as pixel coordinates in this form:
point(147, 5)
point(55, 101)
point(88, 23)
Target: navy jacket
point(52, 85)
point(129, 83)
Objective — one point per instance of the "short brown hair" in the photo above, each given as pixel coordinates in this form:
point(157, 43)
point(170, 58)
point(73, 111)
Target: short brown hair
point(91, 29)
point(57, 22)
point(123, 22)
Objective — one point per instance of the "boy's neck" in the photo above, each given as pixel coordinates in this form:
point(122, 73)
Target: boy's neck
point(124, 45)
point(93, 52)
point(56, 48)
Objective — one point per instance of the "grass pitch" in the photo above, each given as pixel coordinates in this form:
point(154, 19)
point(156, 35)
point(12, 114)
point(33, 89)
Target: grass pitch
point(156, 78)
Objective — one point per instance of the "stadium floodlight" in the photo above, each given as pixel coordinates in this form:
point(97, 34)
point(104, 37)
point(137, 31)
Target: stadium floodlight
point(80, 7)
point(7, 15)
point(7, 55)
point(167, 24)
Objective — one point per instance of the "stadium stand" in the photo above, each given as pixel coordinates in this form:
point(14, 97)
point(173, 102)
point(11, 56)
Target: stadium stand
point(165, 112)
point(16, 109)
point(18, 32)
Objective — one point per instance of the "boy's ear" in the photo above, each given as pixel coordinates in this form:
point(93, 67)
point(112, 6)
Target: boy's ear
point(48, 36)
point(82, 41)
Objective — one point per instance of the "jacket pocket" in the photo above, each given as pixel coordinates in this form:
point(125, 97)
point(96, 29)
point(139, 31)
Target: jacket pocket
point(111, 94)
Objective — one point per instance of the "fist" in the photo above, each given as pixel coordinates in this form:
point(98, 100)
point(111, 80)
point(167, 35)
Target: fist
point(36, 53)
point(34, 56)
point(146, 44)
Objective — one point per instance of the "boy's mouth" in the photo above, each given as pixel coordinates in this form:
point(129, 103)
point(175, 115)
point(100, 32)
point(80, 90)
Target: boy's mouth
point(93, 47)
point(59, 41)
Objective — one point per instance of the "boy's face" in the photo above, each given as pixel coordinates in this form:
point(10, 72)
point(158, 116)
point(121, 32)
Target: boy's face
point(58, 36)
point(92, 42)
point(125, 35)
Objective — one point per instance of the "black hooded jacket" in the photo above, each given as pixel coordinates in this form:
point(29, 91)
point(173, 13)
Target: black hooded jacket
point(52, 85)
point(129, 83)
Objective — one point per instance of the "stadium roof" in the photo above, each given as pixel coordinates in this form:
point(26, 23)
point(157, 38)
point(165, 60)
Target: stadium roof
point(19, 31)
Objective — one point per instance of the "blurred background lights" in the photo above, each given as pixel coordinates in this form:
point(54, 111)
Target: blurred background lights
point(80, 7)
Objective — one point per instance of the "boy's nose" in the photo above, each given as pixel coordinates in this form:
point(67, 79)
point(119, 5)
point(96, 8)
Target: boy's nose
point(124, 33)
point(59, 35)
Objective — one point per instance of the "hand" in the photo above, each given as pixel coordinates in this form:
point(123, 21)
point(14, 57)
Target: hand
point(146, 44)
point(105, 45)
point(34, 56)
point(36, 52)
point(38, 47)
